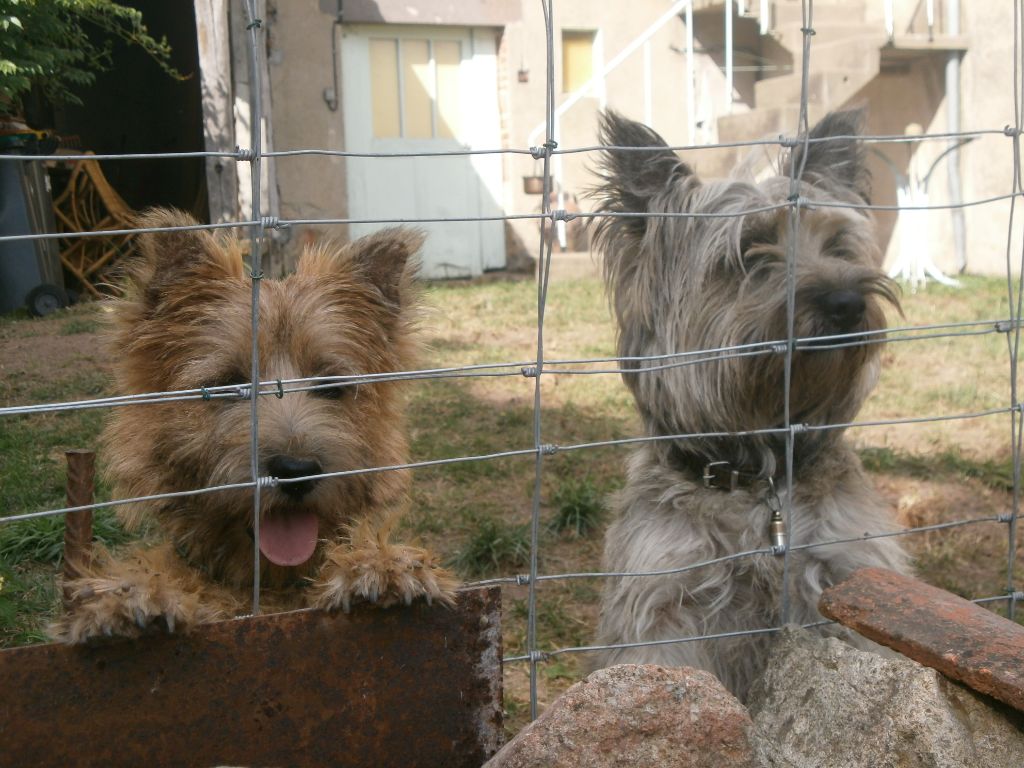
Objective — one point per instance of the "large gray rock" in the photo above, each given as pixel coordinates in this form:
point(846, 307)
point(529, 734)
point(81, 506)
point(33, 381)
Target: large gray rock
point(824, 703)
point(637, 716)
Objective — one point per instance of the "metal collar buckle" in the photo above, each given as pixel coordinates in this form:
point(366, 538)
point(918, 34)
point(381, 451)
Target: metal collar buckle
point(721, 475)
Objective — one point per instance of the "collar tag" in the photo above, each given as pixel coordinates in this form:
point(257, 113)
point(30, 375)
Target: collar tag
point(776, 525)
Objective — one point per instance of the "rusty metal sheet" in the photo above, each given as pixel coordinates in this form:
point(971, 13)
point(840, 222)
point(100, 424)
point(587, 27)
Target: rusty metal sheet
point(935, 628)
point(415, 686)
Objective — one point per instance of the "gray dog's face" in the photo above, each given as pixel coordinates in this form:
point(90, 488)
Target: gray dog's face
point(719, 278)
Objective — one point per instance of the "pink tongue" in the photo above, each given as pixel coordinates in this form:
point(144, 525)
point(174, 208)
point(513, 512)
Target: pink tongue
point(288, 539)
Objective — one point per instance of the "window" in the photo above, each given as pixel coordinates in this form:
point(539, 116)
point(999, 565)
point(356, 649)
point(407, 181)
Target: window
point(577, 59)
point(415, 88)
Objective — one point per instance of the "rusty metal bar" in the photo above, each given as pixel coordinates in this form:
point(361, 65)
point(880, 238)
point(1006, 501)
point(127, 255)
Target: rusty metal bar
point(78, 525)
point(417, 686)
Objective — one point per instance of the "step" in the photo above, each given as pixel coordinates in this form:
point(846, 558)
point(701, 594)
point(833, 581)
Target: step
point(791, 36)
point(768, 123)
point(714, 162)
point(787, 14)
point(758, 124)
point(752, 10)
point(829, 88)
point(914, 46)
point(572, 265)
point(839, 12)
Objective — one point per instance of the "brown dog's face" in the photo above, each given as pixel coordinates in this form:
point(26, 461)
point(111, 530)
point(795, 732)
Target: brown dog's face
point(186, 324)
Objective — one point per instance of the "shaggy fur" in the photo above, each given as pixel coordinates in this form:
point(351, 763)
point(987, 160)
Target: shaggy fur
point(184, 323)
point(681, 284)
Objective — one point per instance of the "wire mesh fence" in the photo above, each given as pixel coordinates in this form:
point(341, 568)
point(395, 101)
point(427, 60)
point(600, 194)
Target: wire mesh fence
point(539, 368)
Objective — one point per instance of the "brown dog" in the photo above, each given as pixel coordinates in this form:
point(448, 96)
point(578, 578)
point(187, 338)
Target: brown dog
point(185, 323)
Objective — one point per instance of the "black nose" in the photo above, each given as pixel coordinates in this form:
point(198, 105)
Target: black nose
point(845, 309)
point(287, 467)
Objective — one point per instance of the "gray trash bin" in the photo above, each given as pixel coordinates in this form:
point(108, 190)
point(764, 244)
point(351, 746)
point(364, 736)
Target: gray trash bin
point(30, 270)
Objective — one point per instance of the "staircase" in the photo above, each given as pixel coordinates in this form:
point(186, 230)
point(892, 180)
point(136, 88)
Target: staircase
point(849, 49)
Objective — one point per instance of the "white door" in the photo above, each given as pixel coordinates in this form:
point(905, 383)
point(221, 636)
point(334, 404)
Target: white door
point(426, 89)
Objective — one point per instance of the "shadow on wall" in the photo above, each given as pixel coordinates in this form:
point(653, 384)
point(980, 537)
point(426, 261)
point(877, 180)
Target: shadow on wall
point(751, 50)
point(900, 97)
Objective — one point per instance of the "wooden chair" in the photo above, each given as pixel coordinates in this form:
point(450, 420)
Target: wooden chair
point(90, 204)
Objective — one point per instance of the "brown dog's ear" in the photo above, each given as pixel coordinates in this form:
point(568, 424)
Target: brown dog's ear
point(177, 261)
point(388, 260)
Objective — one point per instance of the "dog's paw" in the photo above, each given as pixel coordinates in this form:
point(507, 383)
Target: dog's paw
point(112, 607)
point(381, 574)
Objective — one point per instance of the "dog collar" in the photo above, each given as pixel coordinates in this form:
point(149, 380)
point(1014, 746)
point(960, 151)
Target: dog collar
point(725, 476)
point(718, 475)
point(728, 477)
point(722, 475)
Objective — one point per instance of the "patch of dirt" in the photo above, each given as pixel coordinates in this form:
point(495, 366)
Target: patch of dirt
point(37, 356)
point(969, 558)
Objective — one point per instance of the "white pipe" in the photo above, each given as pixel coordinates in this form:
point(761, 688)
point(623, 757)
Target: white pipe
point(691, 85)
point(579, 93)
point(728, 56)
point(648, 88)
point(890, 20)
point(953, 126)
point(557, 173)
point(764, 18)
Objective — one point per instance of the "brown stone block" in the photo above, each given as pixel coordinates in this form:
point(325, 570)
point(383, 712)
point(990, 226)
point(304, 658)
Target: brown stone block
point(634, 715)
point(935, 628)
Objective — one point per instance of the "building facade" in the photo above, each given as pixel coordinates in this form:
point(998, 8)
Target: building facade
point(444, 84)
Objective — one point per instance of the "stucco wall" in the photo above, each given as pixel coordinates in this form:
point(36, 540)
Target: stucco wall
point(987, 163)
point(299, 60)
point(523, 47)
point(918, 95)
point(904, 100)
point(299, 46)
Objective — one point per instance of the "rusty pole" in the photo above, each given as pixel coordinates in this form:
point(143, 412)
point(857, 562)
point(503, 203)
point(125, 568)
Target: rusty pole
point(78, 525)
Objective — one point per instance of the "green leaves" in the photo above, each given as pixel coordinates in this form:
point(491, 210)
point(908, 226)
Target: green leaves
point(46, 44)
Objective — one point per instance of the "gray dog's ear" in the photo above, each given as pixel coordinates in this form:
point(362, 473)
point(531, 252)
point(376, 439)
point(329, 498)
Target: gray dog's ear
point(632, 177)
point(838, 160)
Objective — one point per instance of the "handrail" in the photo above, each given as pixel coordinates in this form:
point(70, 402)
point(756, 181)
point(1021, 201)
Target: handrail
point(580, 92)
point(889, 12)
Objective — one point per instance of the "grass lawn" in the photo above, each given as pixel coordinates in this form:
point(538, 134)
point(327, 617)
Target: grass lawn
point(477, 513)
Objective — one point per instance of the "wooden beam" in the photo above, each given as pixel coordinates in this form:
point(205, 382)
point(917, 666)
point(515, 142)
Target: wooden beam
point(214, 40)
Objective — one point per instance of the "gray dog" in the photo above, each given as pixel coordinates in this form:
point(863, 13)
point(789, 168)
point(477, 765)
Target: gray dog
point(708, 283)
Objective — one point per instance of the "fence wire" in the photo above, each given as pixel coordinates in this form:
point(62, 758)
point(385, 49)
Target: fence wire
point(539, 367)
